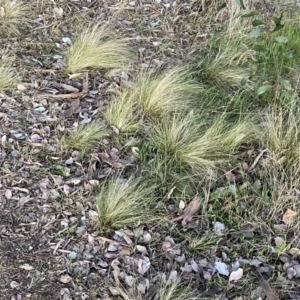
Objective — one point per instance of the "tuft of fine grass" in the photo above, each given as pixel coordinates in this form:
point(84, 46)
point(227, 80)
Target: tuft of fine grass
point(97, 48)
point(227, 69)
point(191, 143)
point(83, 138)
point(13, 15)
point(122, 113)
point(161, 94)
point(167, 290)
point(7, 77)
point(124, 203)
point(280, 135)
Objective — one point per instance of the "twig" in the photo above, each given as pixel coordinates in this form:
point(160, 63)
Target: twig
point(256, 160)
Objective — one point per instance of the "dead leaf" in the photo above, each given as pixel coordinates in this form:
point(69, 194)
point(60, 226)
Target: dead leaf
point(66, 189)
point(63, 96)
point(166, 245)
point(75, 104)
point(207, 275)
point(115, 129)
point(294, 252)
point(72, 95)
point(268, 290)
point(281, 160)
point(116, 270)
point(146, 237)
point(85, 84)
point(76, 75)
point(114, 291)
point(125, 252)
point(58, 11)
point(21, 87)
point(236, 275)
point(26, 267)
point(135, 151)
point(141, 249)
point(103, 155)
point(143, 265)
point(173, 277)
point(143, 285)
point(14, 284)
point(2, 12)
point(189, 211)
point(8, 194)
point(65, 278)
point(230, 176)
point(181, 205)
point(289, 217)
point(69, 88)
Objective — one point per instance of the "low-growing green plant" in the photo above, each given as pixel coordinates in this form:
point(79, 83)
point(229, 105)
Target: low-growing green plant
point(124, 203)
point(83, 138)
point(266, 69)
point(97, 48)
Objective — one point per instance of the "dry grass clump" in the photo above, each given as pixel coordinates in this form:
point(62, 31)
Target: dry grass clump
point(7, 77)
point(280, 134)
point(97, 47)
point(83, 138)
point(161, 94)
point(124, 203)
point(7, 73)
point(122, 113)
point(13, 15)
point(191, 143)
point(229, 67)
point(152, 96)
point(166, 290)
point(279, 137)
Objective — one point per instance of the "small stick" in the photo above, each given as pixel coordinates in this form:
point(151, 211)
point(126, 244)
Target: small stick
point(256, 160)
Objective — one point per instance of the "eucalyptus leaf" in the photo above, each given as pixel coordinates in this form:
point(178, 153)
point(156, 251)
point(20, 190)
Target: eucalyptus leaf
point(277, 21)
point(278, 27)
point(240, 3)
point(248, 14)
point(257, 23)
point(257, 32)
point(223, 5)
point(285, 83)
point(281, 39)
point(259, 48)
point(244, 80)
point(264, 88)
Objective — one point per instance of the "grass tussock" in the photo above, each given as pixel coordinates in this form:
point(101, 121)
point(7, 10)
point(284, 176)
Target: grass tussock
point(191, 143)
point(161, 94)
point(227, 69)
point(13, 15)
point(7, 77)
point(84, 138)
point(280, 135)
point(170, 289)
point(124, 203)
point(121, 113)
point(97, 48)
